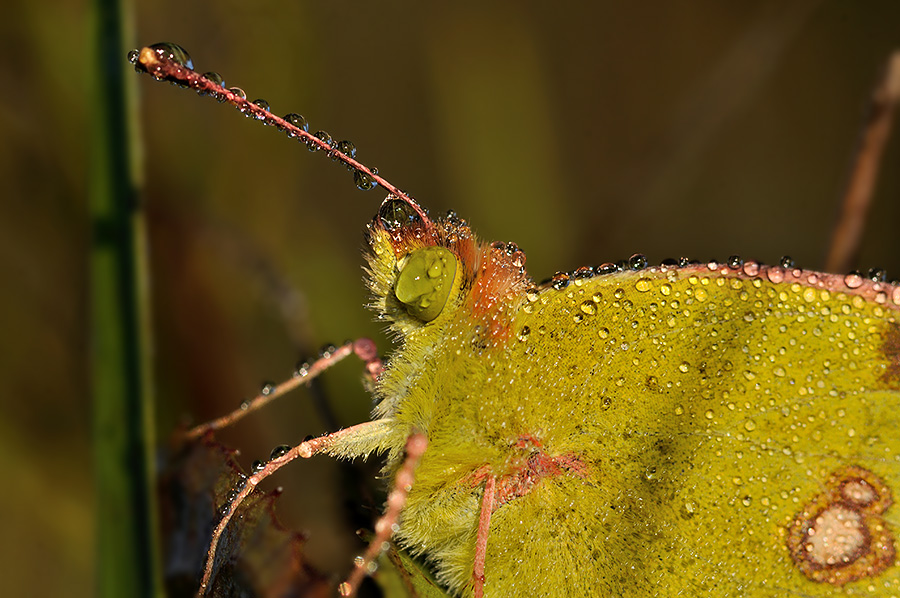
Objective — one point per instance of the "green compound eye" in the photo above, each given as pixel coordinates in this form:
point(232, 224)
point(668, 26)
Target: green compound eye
point(425, 282)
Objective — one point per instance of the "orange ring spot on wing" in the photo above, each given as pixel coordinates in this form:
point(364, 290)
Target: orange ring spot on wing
point(840, 536)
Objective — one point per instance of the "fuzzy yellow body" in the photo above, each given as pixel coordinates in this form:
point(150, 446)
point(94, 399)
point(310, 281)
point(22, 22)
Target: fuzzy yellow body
point(691, 418)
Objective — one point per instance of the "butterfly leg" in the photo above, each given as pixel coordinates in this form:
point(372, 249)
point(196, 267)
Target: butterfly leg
point(387, 523)
point(363, 348)
point(484, 528)
point(366, 350)
point(305, 450)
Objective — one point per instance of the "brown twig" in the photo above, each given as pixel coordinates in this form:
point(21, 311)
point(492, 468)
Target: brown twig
point(848, 230)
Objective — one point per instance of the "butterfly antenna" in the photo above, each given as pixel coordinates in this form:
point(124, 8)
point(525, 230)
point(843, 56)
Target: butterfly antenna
point(170, 62)
point(363, 348)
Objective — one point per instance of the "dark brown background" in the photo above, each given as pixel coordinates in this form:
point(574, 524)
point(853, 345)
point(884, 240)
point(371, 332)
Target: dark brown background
point(584, 133)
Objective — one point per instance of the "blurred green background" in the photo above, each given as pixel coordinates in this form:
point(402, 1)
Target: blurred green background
point(583, 132)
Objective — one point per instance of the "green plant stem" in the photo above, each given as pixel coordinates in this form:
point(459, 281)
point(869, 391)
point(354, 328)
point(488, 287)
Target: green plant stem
point(120, 358)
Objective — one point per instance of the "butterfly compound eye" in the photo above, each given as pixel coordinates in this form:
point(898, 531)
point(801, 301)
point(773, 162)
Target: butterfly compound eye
point(425, 282)
point(396, 213)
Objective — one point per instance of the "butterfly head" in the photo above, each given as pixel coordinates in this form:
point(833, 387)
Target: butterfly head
point(419, 268)
point(423, 272)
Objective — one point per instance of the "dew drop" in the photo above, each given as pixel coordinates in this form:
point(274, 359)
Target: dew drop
point(637, 262)
point(363, 181)
point(238, 92)
point(560, 281)
point(775, 275)
point(786, 262)
point(323, 137)
point(749, 425)
point(746, 501)
point(603, 332)
point(347, 148)
point(735, 262)
point(245, 404)
point(606, 268)
point(302, 370)
point(396, 213)
point(261, 104)
point(257, 466)
point(279, 451)
point(267, 388)
point(643, 285)
point(877, 275)
point(589, 307)
point(296, 120)
point(679, 410)
point(173, 52)
point(344, 589)
point(582, 273)
point(215, 77)
point(684, 367)
point(133, 56)
point(853, 280)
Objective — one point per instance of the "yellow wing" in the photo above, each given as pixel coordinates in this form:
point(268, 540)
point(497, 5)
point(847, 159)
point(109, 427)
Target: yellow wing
point(704, 432)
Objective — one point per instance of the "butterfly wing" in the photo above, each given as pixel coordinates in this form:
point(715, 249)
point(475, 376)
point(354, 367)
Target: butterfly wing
point(728, 432)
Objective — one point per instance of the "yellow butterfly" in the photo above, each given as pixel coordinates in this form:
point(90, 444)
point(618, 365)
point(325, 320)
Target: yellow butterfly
point(716, 429)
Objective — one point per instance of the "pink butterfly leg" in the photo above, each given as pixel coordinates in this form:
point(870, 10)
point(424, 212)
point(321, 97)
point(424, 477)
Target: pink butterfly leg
point(387, 523)
point(484, 528)
point(305, 450)
point(363, 348)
